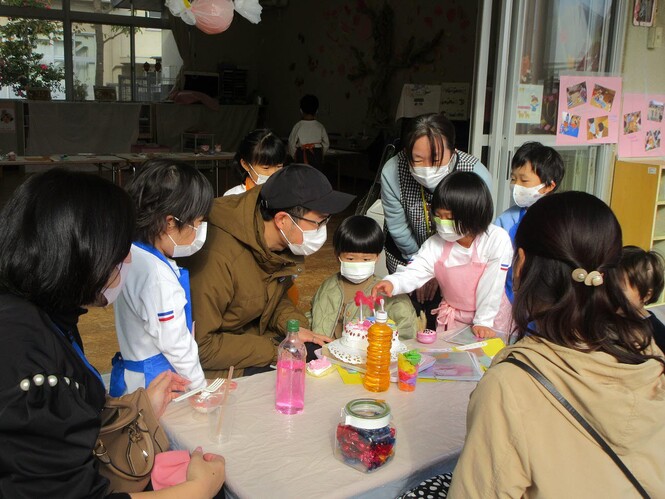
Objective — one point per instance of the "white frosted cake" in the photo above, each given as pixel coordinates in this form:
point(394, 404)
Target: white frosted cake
point(352, 346)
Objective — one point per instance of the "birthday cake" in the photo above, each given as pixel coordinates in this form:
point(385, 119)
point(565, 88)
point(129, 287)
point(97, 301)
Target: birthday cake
point(352, 346)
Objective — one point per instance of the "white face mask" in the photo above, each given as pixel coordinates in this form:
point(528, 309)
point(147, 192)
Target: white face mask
point(446, 230)
point(312, 240)
point(111, 294)
point(430, 176)
point(357, 272)
point(183, 250)
point(260, 179)
point(526, 196)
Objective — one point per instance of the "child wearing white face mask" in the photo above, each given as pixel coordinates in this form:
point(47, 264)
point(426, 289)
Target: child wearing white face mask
point(357, 243)
point(537, 171)
point(153, 313)
point(260, 154)
point(468, 257)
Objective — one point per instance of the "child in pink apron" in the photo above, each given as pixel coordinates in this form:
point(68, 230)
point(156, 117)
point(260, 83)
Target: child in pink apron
point(468, 256)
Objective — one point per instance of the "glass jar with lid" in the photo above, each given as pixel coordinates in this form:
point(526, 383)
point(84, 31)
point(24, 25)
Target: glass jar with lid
point(365, 436)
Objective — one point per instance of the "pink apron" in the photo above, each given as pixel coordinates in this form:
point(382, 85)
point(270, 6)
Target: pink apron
point(458, 286)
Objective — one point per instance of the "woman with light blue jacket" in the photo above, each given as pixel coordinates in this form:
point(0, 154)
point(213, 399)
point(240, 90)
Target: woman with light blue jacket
point(408, 181)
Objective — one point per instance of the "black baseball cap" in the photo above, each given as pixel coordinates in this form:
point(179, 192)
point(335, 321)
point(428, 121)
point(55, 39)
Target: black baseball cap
point(302, 185)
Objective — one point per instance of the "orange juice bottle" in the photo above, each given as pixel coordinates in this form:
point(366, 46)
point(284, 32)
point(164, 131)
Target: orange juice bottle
point(379, 338)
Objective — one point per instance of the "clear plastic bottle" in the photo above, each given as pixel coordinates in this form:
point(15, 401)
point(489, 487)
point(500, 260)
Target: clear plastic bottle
point(379, 338)
point(290, 386)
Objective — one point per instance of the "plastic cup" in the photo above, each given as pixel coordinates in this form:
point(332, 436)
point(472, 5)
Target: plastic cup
point(407, 374)
point(220, 417)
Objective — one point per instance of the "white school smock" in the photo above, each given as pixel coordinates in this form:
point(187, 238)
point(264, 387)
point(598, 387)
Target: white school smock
point(308, 132)
point(494, 249)
point(238, 189)
point(152, 288)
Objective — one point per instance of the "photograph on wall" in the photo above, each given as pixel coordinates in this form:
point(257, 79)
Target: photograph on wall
point(570, 124)
point(644, 12)
point(602, 97)
point(7, 119)
point(598, 128)
point(655, 112)
point(632, 122)
point(596, 113)
point(652, 140)
point(576, 95)
point(529, 104)
point(642, 138)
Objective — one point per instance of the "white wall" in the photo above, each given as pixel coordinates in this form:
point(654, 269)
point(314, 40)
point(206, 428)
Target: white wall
point(643, 68)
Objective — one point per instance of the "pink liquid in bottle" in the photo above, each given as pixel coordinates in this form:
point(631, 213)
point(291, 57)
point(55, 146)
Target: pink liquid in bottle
point(290, 384)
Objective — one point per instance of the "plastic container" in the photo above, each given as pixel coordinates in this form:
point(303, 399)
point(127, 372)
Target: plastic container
point(379, 339)
point(426, 336)
point(290, 385)
point(365, 436)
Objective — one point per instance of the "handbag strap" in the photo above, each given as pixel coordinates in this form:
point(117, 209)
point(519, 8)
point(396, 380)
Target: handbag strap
point(578, 417)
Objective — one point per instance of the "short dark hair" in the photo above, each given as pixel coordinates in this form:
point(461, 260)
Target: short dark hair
point(644, 271)
point(545, 161)
point(260, 147)
point(62, 233)
point(470, 200)
point(559, 234)
point(436, 127)
point(269, 213)
point(358, 234)
point(163, 187)
point(309, 104)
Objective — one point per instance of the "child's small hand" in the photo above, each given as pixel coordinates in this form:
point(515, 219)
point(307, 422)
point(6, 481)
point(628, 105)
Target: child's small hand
point(483, 331)
point(383, 287)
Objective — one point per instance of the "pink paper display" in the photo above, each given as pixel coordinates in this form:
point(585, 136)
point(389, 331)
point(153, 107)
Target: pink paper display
point(596, 98)
point(636, 137)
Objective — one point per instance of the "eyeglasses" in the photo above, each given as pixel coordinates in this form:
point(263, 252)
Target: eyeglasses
point(196, 229)
point(318, 224)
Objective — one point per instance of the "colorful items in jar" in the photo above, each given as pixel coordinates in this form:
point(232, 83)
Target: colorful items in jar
point(365, 450)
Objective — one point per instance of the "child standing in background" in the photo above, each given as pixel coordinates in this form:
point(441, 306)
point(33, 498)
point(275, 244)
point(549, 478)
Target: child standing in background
point(537, 170)
point(643, 285)
point(357, 243)
point(153, 314)
point(260, 154)
point(468, 256)
point(308, 141)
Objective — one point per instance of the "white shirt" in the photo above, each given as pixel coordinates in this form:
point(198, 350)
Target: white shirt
point(238, 189)
point(494, 249)
point(152, 288)
point(308, 132)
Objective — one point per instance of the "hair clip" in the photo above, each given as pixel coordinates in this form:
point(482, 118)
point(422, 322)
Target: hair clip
point(593, 278)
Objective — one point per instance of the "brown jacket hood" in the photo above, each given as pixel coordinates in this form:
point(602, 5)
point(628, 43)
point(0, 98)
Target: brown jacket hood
point(247, 227)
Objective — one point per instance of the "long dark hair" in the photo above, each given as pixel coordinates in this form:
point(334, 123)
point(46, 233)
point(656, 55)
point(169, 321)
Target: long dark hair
point(561, 233)
point(162, 188)
point(61, 235)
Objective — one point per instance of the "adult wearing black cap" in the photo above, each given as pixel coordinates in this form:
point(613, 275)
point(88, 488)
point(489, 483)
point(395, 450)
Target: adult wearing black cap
point(255, 246)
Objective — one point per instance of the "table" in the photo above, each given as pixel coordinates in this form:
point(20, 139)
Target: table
point(340, 158)
point(109, 161)
point(278, 456)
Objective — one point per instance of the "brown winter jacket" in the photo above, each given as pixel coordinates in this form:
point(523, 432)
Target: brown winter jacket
point(239, 289)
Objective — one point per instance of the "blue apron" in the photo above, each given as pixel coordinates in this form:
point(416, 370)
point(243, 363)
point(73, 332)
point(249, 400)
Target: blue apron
point(68, 336)
point(509, 275)
point(157, 364)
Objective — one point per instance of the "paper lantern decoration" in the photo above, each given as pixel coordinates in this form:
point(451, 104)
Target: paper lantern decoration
point(213, 16)
point(182, 9)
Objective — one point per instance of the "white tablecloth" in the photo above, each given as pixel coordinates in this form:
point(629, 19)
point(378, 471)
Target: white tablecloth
point(278, 456)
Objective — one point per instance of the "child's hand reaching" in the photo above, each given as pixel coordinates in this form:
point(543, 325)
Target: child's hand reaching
point(483, 331)
point(382, 287)
point(307, 336)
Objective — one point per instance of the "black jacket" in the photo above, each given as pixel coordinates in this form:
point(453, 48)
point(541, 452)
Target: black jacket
point(48, 431)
